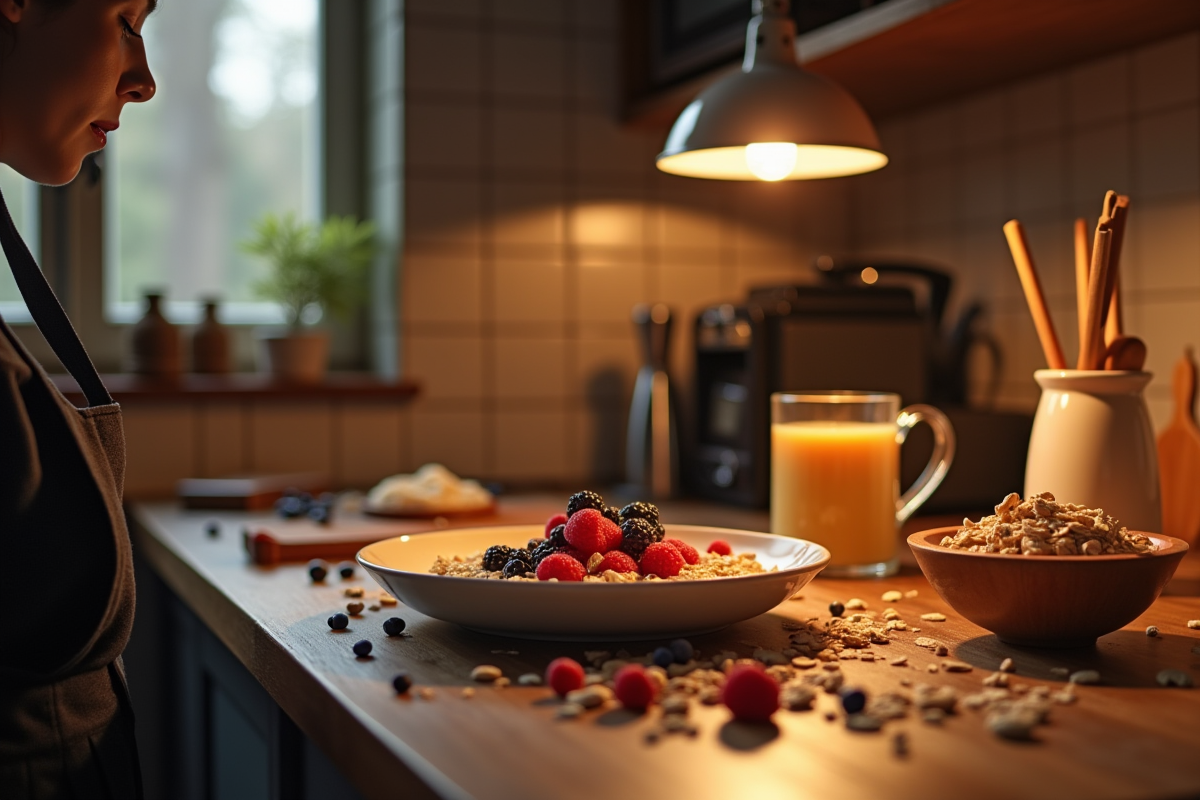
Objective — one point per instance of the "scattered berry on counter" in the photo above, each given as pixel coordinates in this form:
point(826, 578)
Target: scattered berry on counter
point(617, 562)
point(750, 693)
point(212, 528)
point(1152, 631)
point(640, 510)
point(321, 514)
point(362, 648)
point(339, 621)
point(393, 626)
point(588, 531)
point(496, 556)
point(637, 534)
point(293, 504)
point(633, 687)
point(663, 657)
point(554, 522)
point(564, 675)
point(402, 683)
point(686, 550)
point(561, 567)
point(836, 609)
point(721, 548)
point(346, 570)
point(317, 570)
point(661, 559)
point(682, 650)
point(612, 514)
point(354, 608)
point(582, 500)
point(853, 699)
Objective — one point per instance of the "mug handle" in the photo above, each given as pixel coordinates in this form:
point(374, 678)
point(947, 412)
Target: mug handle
point(939, 462)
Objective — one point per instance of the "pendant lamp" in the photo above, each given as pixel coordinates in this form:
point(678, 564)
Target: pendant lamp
point(772, 121)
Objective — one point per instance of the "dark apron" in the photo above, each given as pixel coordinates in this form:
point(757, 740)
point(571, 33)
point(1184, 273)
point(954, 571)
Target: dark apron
point(66, 724)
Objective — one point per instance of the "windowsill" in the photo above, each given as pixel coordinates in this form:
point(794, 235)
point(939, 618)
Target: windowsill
point(133, 389)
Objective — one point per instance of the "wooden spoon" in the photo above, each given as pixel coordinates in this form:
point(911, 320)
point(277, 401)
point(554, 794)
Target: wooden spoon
point(1018, 245)
point(1125, 353)
point(1179, 456)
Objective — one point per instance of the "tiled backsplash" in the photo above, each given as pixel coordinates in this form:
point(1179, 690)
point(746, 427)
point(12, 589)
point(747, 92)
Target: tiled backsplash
point(535, 222)
point(1044, 151)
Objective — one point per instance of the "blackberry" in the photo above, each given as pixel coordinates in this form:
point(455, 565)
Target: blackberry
point(611, 513)
point(517, 567)
point(496, 556)
point(636, 535)
point(546, 548)
point(558, 536)
point(533, 544)
point(582, 500)
point(640, 510)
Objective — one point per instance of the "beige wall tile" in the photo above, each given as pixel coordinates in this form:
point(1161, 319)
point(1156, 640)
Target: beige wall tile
point(1038, 106)
point(439, 289)
point(595, 16)
point(442, 136)
point(367, 447)
point(933, 132)
point(160, 449)
point(1099, 161)
point(445, 368)
point(1167, 327)
point(539, 12)
point(531, 368)
point(442, 211)
point(527, 142)
point(618, 222)
point(222, 438)
point(532, 445)
point(598, 445)
point(451, 438)
point(528, 214)
point(1100, 90)
point(291, 437)
point(606, 368)
point(982, 183)
point(527, 292)
point(608, 293)
point(1166, 156)
point(937, 186)
point(442, 59)
point(529, 65)
point(1168, 246)
point(1167, 73)
point(1038, 177)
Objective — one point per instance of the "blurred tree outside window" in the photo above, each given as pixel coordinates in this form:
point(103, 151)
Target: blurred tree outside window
point(21, 195)
point(232, 133)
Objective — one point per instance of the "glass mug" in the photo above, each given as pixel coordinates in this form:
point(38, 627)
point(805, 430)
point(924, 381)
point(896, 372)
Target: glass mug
point(835, 474)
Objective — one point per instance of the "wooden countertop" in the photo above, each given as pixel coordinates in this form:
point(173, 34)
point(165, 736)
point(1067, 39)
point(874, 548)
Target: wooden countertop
point(1127, 738)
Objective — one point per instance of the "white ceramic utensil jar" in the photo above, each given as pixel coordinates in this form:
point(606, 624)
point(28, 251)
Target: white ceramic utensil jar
point(1093, 444)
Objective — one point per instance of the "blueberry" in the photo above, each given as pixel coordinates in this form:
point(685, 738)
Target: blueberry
point(317, 570)
point(393, 626)
point(402, 683)
point(339, 621)
point(683, 650)
point(320, 514)
point(346, 569)
point(290, 506)
point(854, 699)
point(362, 648)
point(212, 528)
point(836, 608)
point(663, 657)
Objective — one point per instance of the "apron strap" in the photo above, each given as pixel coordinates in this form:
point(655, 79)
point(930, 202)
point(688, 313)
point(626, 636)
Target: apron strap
point(48, 313)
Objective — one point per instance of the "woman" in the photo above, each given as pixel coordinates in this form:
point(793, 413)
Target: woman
point(67, 67)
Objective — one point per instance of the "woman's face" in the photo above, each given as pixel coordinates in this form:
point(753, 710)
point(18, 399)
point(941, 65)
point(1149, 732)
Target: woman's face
point(66, 71)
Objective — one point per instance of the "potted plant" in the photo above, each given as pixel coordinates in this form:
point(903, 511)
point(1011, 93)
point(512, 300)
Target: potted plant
point(316, 270)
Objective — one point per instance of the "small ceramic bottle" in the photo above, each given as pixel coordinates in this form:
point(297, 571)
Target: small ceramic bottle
point(1093, 444)
point(210, 343)
point(156, 345)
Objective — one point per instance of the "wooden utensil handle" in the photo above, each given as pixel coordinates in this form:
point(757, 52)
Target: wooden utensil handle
point(1083, 267)
point(1183, 386)
point(1090, 355)
point(1019, 247)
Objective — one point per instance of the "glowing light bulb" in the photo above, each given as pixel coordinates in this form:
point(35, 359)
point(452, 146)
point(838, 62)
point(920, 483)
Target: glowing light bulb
point(870, 275)
point(771, 161)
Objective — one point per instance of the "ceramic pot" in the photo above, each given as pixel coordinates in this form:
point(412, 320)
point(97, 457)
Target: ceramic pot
point(211, 351)
point(1093, 444)
point(297, 356)
point(156, 344)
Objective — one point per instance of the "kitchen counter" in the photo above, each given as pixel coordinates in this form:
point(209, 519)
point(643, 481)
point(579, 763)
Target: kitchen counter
point(1125, 738)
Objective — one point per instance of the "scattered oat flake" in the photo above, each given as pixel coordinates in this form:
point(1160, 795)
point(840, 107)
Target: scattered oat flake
point(934, 616)
point(1194, 624)
point(1152, 631)
point(866, 657)
point(1173, 677)
point(425, 693)
point(931, 667)
point(387, 600)
point(915, 630)
point(529, 679)
point(926, 642)
point(569, 710)
point(485, 673)
point(941, 650)
point(910, 594)
point(857, 604)
point(1060, 672)
point(1007, 665)
point(354, 591)
point(1085, 677)
point(800, 662)
point(892, 596)
point(899, 661)
point(468, 692)
point(956, 666)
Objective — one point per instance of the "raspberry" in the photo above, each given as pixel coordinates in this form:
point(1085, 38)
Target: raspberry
point(721, 548)
point(564, 675)
point(582, 500)
point(617, 562)
point(634, 688)
point(590, 532)
point(554, 522)
point(561, 566)
point(639, 510)
point(750, 693)
point(636, 536)
point(661, 559)
point(686, 550)
point(614, 537)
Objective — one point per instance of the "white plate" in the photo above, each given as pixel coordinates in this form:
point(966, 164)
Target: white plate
point(589, 611)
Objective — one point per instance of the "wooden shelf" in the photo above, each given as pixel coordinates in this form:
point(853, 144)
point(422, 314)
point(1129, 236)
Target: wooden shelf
point(906, 54)
point(132, 389)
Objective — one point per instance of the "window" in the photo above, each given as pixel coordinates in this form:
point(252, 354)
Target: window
point(232, 134)
point(22, 198)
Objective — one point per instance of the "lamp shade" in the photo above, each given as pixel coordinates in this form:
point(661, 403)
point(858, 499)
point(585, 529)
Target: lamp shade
point(772, 121)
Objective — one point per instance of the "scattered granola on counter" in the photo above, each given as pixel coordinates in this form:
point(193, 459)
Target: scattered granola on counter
point(1041, 526)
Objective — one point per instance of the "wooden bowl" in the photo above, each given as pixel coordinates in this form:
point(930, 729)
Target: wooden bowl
point(1047, 601)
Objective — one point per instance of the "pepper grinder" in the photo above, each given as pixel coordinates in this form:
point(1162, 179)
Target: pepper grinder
point(652, 446)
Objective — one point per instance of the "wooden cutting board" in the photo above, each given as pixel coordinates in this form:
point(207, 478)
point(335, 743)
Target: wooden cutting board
point(1179, 456)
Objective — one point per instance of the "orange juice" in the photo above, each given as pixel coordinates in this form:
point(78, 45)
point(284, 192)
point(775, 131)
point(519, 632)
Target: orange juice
point(836, 484)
